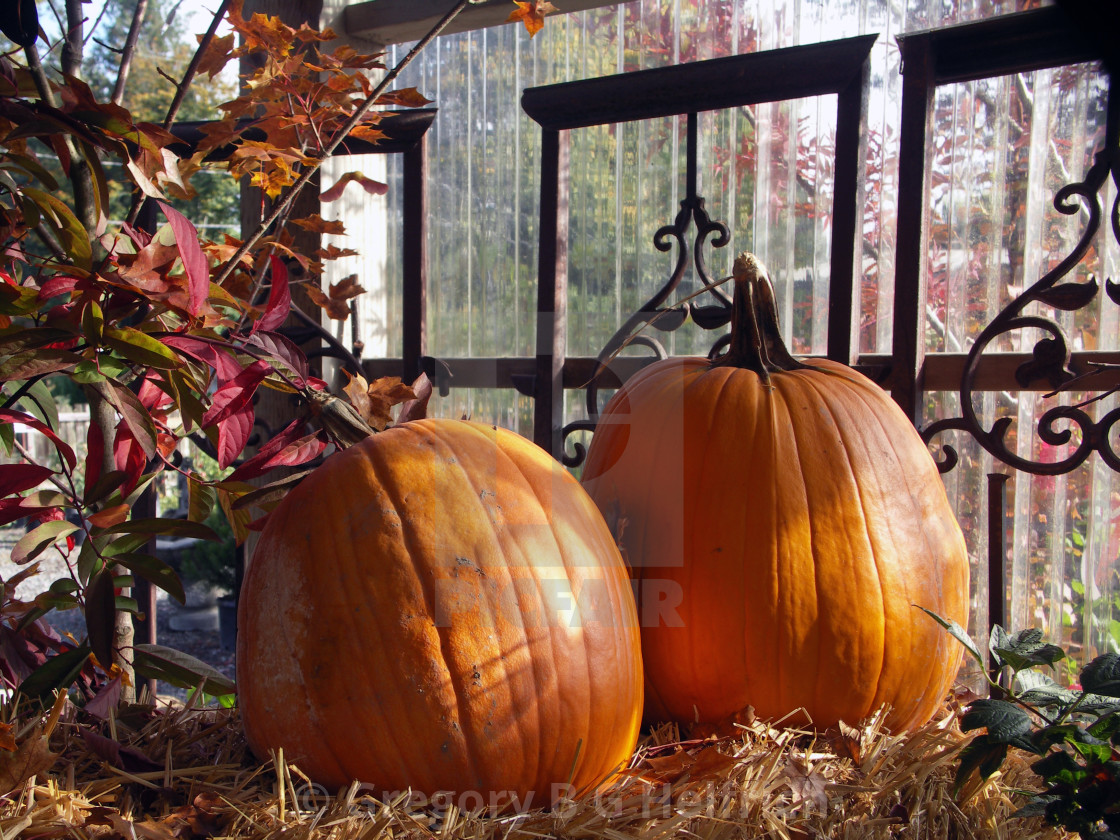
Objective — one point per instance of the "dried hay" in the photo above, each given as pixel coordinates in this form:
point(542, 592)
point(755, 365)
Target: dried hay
point(183, 772)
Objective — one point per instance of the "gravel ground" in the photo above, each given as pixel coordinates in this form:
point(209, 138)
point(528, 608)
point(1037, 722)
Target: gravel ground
point(201, 644)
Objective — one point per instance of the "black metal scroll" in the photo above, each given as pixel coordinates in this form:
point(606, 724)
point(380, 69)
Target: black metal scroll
point(1051, 355)
point(653, 312)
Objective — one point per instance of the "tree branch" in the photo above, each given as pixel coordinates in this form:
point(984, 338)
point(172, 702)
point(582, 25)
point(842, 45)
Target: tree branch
point(129, 50)
point(73, 45)
point(192, 68)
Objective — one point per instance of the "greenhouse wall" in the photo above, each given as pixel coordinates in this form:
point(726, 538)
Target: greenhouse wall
point(1000, 148)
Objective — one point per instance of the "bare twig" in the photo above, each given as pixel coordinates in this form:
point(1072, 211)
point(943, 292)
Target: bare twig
point(39, 75)
point(192, 68)
point(47, 237)
point(317, 161)
point(30, 458)
point(129, 50)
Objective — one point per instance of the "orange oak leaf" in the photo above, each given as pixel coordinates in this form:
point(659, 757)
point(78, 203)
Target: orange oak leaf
point(368, 133)
point(317, 224)
point(407, 97)
point(531, 13)
point(217, 54)
point(357, 391)
point(334, 300)
point(332, 252)
point(374, 400)
point(381, 396)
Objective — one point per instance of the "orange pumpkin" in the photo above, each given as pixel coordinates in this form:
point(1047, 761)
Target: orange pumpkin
point(782, 521)
point(441, 607)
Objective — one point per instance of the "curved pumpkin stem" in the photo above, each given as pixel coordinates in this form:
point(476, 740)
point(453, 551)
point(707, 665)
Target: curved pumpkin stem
point(756, 342)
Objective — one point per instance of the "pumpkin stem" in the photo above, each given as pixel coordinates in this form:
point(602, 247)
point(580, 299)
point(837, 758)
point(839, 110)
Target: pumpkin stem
point(338, 418)
point(756, 342)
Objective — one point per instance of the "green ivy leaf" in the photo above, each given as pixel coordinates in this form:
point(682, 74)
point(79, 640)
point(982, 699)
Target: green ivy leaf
point(958, 633)
point(1036, 806)
point(996, 640)
point(1102, 675)
point(1097, 753)
point(1058, 765)
point(1026, 649)
point(1006, 723)
point(1057, 733)
point(982, 755)
point(1106, 727)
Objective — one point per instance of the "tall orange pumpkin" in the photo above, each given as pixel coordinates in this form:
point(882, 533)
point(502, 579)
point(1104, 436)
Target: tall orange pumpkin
point(782, 520)
point(441, 608)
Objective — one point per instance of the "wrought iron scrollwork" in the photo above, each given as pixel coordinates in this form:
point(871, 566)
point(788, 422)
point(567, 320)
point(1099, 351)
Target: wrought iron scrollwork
point(1050, 360)
point(653, 312)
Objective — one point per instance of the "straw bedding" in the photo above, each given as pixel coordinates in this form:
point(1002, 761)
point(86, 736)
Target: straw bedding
point(156, 773)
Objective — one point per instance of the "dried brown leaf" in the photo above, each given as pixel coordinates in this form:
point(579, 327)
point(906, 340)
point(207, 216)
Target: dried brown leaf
point(32, 758)
point(357, 391)
point(383, 394)
point(336, 299)
point(807, 784)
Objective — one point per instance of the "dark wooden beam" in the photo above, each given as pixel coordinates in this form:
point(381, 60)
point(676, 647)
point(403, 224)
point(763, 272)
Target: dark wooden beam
point(1016, 43)
point(414, 260)
point(913, 225)
point(552, 294)
point(941, 371)
point(846, 266)
point(715, 84)
point(397, 21)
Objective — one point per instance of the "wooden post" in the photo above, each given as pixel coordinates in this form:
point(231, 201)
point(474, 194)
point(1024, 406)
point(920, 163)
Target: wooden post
point(552, 294)
point(913, 222)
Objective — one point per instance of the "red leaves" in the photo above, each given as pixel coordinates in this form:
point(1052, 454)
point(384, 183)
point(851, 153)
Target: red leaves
point(231, 410)
point(290, 448)
point(15, 478)
point(279, 298)
point(194, 261)
point(59, 444)
point(232, 396)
